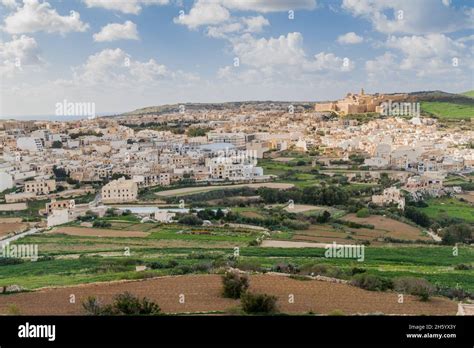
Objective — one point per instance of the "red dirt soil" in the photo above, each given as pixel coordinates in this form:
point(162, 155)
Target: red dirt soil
point(203, 294)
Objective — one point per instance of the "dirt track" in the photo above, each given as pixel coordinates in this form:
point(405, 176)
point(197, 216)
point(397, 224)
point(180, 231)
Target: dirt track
point(202, 294)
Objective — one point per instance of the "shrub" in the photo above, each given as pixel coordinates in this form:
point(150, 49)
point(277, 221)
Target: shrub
point(254, 242)
point(190, 219)
point(324, 217)
point(414, 286)
point(99, 223)
point(123, 304)
point(235, 284)
point(4, 261)
point(198, 255)
point(172, 263)
point(183, 269)
point(128, 304)
point(363, 213)
point(202, 267)
point(249, 265)
point(286, 268)
point(371, 282)
point(357, 270)
point(323, 270)
point(462, 267)
point(110, 212)
point(259, 303)
point(92, 306)
point(156, 265)
point(459, 233)
point(458, 294)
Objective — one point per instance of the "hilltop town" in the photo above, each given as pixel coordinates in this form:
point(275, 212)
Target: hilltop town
point(263, 175)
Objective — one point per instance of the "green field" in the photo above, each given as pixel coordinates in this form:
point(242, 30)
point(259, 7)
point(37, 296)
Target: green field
point(449, 207)
point(448, 110)
point(435, 263)
point(469, 94)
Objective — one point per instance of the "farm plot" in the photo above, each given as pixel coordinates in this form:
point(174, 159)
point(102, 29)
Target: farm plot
point(97, 232)
point(468, 196)
point(449, 207)
point(203, 294)
point(387, 227)
point(192, 190)
point(12, 227)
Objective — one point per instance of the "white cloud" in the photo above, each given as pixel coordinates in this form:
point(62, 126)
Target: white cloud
point(35, 16)
point(411, 17)
point(278, 61)
point(284, 50)
point(379, 67)
point(148, 71)
point(430, 54)
point(269, 5)
point(115, 68)
point(18, 54)
point(466, 38)
point(329, 62)
point(204, 12)
point(9, 3)
point(116, 31)
point(350, 38)
point(435, 59)
point(446, 3)
point(238, 26)
point(255, 24)
point(222, 31)
point(214, 12)
point(124, 6)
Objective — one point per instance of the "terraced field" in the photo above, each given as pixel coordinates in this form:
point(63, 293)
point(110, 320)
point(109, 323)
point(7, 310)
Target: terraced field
point(202, 293)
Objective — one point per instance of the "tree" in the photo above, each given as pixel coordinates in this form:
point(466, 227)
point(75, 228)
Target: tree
point(417, 216)
point(190, 219)
point(60, 173)
point(219, 214)
point(206, 214)
point(57, 144)
point(363, 213)
point(197, 131)
point(116, 176)
point(459, 233)
point(385, 180)
point(324, 217)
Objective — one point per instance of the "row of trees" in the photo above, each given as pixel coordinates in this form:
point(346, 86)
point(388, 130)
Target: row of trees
point(315, 195)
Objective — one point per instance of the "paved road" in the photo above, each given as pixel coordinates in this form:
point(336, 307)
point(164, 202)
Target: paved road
point(18, 236)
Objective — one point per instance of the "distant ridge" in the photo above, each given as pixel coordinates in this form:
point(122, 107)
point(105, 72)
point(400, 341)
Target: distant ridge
point(421, 96)
point(241, 105)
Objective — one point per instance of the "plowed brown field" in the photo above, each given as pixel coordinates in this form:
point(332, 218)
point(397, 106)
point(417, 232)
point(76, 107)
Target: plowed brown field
point(202, 293)
point(10, 227)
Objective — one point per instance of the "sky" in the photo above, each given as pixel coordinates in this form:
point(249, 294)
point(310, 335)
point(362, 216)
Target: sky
point(121, 55)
